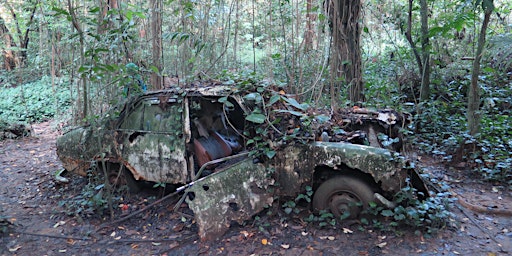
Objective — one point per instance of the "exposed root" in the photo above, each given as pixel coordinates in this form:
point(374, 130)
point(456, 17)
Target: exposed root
point(482, 209)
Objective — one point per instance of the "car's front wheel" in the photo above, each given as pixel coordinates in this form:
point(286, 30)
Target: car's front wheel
point(344, 196)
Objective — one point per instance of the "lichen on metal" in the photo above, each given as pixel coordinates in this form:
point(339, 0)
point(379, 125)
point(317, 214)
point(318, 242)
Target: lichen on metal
point(152, 160)
point(234, 194)
point(376, 161)
point(296, 163)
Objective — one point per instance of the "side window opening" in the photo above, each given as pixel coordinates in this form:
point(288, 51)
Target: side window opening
point(154, 115)
point(216, 129)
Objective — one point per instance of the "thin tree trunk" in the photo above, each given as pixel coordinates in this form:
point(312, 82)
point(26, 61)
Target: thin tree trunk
point(156, 33)
point(310, 36)
point(23, 38)
point(425, 72)
point(473, 112)
point(83, 80)
point(408, 36)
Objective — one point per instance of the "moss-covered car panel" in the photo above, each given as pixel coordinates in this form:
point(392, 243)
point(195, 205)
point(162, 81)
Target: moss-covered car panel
point(233, 194)
point(296, 164)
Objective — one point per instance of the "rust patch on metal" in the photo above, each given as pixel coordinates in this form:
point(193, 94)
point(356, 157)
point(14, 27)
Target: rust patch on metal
point(234, 194)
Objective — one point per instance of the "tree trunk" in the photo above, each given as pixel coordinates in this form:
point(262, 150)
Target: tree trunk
point(23, 38)
point(76, 25)
point(346, 53)
point(425, 72)
point(156, 33)
point(408, 36)
point(473, 112)
point(9, 58)
point(309, 35)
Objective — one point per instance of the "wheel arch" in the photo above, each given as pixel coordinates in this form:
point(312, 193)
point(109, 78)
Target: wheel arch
point(323, 173)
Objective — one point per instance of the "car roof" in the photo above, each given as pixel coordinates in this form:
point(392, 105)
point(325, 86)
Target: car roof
point(198, 90)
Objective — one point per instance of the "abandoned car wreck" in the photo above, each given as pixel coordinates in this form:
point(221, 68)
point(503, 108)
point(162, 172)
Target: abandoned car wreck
point(236, 151)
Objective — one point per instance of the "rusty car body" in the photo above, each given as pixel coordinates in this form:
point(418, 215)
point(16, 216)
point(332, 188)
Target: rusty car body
point(201, 136)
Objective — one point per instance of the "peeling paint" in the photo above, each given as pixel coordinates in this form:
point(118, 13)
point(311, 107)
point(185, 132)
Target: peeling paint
point(295, 165)
point(233, 194)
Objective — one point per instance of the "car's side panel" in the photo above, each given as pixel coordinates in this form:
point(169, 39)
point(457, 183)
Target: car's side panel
point(233, 194)
point(88, 144)
point(295, 164)
point(152, 143)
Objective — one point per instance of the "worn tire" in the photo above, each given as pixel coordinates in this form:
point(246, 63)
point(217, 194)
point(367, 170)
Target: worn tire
point(341, 194)
point(125, 178)
point(133, 184)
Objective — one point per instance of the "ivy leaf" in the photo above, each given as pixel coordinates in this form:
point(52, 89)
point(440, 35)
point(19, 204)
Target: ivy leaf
point(226, 102)
point(255, 118)
point(274, 99)
point(295, 113)
point(253, 96)
point(400, 217)
point(322, 118)
point(270, 154)
point(387, 213)
point(293, 102)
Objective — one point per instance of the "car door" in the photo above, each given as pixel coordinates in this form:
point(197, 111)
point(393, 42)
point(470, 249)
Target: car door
point(151, 137)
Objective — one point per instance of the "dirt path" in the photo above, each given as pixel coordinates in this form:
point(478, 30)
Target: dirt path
point(43, 224)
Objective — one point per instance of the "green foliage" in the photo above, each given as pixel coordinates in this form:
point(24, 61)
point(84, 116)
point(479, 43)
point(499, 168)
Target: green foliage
point(439, 128)
point(429, 215)
point(495, 147)
point(90, 201)
point(323, 218)
point(34, 102)
point(499, 54)
point(291, 206)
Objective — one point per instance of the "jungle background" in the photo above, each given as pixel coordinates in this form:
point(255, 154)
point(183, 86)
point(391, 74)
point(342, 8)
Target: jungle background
point(66, 60)
point(449, 63)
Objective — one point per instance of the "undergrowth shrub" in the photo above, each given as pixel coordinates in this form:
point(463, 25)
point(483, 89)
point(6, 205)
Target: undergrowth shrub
point(95, 198)
point(426, 216)
point(34, 102)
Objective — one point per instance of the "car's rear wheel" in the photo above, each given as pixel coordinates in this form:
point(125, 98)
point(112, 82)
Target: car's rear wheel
point(119, 176)
point(343, 196)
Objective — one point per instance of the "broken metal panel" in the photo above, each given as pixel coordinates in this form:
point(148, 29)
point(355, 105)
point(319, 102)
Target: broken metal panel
point(152, 144)
point(295, 164)
point(234, 194)
point(294, 167)
point(79, 146)
point(217, 90)
point(186, 121)
point(75, 165)
point(151, 158)
point(375, 161)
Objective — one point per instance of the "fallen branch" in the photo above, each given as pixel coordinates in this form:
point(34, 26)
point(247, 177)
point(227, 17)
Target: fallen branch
point(462, 205)
point(481, 209)
point(51, 236)
point(137, 212)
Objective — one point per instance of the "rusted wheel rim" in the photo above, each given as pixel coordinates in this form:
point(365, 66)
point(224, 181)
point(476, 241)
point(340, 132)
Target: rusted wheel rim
point(117, 179)
point(344, 203)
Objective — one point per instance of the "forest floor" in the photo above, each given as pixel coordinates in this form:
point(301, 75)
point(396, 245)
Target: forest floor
point(32, 202)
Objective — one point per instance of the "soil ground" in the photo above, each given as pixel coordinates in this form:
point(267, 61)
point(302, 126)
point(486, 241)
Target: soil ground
point(43, 218)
